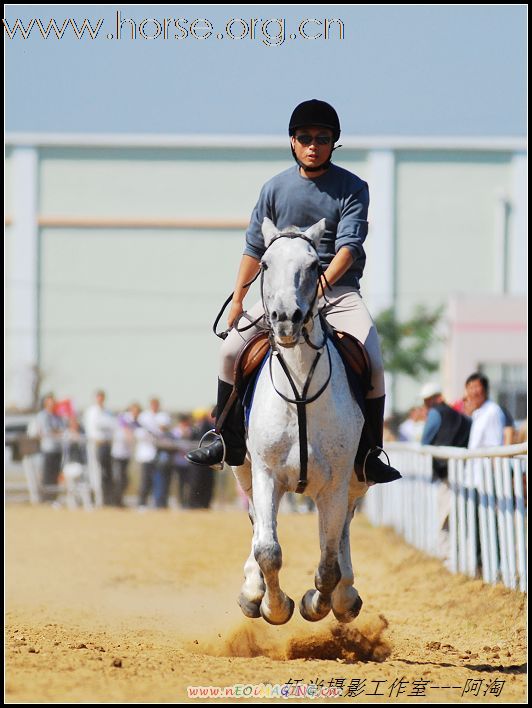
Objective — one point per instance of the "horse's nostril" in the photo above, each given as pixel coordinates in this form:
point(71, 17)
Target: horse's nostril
point(297, 316)
point(274, 315)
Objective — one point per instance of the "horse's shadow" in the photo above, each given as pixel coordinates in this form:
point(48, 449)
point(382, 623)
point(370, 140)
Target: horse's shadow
point(514, 669)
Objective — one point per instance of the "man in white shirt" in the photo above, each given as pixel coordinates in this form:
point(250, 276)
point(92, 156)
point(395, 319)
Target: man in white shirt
point(487, 429)
point(99, 428)
point(151, 422)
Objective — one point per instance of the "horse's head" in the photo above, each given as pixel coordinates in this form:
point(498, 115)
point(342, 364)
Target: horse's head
point(290, 278)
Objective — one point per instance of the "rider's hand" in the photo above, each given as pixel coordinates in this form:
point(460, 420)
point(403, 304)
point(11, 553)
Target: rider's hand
point(236, 310)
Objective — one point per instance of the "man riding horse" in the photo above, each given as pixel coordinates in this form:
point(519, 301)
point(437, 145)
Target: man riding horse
point(302, 195)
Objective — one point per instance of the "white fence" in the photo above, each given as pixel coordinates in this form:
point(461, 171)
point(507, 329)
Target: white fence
point(475, 520)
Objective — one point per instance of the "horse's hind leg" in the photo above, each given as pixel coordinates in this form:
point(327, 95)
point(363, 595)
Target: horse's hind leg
point(276, 607)
point(252, 590)
point(332, 508)
point(346, 602)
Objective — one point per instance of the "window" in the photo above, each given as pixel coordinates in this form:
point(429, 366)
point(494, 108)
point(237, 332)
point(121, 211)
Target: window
point(508, 387)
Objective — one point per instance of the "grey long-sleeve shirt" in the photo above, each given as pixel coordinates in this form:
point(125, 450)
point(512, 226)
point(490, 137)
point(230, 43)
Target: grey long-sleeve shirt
point(339, 196)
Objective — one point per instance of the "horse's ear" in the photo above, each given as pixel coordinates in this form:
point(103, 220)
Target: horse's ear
point(315, 232)
point(269, 231)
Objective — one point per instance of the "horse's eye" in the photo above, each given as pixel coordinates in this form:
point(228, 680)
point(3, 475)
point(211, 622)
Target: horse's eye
point(264, 266)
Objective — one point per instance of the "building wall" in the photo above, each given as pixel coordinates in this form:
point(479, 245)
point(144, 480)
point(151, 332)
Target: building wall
point(131, 312)
point(446, 233)
point(446, 236)
point(482, 332)
point(130, 308)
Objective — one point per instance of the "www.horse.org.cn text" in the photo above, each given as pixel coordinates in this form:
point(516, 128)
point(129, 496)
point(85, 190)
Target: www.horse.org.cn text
point(271, 32)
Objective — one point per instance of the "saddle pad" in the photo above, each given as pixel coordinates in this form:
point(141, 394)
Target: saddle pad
point(255, 353)
point(355, 357)
point(249, 392)
point(249, 359)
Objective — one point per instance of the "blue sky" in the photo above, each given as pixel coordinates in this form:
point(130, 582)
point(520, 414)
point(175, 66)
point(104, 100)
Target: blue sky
point(399, 69)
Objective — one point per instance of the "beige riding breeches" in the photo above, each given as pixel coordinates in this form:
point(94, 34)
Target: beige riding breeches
point(344, 310)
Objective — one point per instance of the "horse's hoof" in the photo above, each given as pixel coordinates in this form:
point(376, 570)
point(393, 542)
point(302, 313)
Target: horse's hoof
point(249, 608)
point(350, 614)
point(307, 609)
point(291, 607)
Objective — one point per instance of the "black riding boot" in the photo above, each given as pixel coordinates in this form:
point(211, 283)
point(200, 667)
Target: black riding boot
point(233, 433)
point(370, 445)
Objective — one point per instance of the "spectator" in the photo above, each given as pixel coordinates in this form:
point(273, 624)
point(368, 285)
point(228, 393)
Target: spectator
point(202, 422)
point(74, 444)
point(150, 422)
point(122, 451)
point(201, 481)
point(411, 429)
point(49, 428)
point(99, 427)
point(521, 435)
point(75, 469)
point(487, 429)
point(444, 425)
point(509, 432)
point(183, 432)
point(164, 463)
point(388, 433)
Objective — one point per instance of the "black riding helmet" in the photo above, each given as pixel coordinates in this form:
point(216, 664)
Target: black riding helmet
point(319, 113)
point(315, 112)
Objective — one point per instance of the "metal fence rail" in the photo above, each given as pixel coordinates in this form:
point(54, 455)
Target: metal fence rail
point(475, 520)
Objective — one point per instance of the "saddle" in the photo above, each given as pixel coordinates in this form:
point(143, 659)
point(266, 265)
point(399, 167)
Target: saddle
point(352, 351)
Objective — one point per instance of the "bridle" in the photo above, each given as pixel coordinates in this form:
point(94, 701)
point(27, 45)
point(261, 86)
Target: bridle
point(301, 400)
point(265, 316)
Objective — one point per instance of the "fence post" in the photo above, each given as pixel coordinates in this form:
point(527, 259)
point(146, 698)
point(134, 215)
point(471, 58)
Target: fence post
point(462, 517)
point(472, 563)
point(501, 523)
point(453, 517)
point(520, 527)
point(509, 519)
point(492, 529)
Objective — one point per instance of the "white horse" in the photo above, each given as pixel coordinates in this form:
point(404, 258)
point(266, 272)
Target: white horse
point(290, 269)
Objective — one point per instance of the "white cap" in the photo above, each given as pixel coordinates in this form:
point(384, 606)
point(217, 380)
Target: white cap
point(429, 390)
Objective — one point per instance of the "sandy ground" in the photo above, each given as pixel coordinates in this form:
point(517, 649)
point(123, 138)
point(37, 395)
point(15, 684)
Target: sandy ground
point(120, 606)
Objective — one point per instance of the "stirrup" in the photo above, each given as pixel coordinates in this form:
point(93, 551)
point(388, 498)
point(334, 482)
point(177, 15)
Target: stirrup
point(368, 453)
point(219, 466)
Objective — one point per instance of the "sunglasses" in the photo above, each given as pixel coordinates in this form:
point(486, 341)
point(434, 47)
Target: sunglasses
point(305, 139)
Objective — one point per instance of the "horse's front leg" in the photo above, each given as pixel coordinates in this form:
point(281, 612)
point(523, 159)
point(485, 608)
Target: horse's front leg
point(276, 607)
point(253, 588)
point(346, 602)
point(332, 508)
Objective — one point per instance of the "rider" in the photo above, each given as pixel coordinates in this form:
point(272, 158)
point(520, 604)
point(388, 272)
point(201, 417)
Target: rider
point(301, 196)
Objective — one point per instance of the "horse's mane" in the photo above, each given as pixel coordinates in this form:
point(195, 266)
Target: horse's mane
point(291, 230)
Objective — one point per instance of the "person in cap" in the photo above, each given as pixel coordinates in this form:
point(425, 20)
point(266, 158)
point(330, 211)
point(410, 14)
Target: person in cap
point(313, 189)
point(444, 425)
